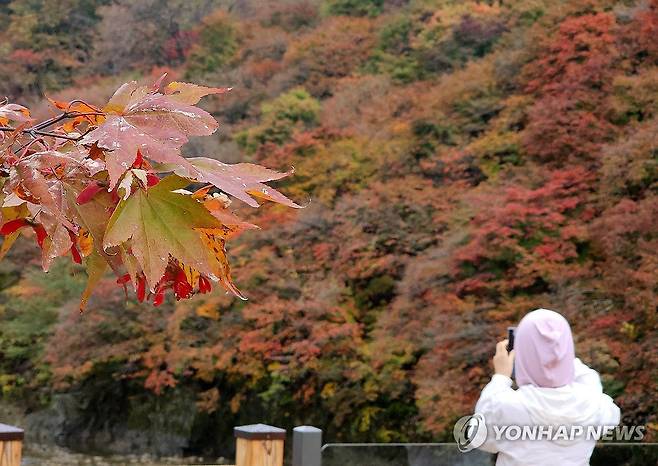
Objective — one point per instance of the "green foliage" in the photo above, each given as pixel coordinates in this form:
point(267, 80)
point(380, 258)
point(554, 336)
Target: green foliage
point(170, 217)
point(293, 110)
point(216, 46)
point(26, 324)
point(340, 167)
point(354, 7)
point(375, 292)
point(430, 136)
point(410, 50)
point(395, 54)
point(294, 106)
point(395, 36)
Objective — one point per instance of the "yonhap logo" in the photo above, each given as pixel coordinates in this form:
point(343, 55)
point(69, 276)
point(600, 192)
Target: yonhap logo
point(470, 432)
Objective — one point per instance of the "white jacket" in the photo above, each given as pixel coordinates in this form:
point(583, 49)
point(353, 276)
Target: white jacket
point(581, 403)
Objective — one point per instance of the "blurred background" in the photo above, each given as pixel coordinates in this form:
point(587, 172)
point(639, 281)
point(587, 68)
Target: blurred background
point(463, 162)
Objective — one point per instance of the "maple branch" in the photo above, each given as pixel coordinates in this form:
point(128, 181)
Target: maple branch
point(28, 144)
point(33, 132)
point(48, 122)
point(61, 136)
point(63, 116)
point(38, 128)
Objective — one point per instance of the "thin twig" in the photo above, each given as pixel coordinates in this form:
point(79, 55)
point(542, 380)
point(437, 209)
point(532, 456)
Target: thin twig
point(63, 116)
point(37, 129)
point(77, 114)
point(60, 136)
point(33, 132)
point(29, 143)
point(48, 122)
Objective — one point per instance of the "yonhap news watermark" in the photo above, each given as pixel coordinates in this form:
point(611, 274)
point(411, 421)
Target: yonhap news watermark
point(472, 431)
point(557, 433)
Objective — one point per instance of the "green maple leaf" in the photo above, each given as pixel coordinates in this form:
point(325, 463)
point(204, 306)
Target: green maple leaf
point(159, 223)
point(96, 265)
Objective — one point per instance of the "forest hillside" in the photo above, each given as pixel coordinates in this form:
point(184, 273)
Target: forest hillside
point(460, 163)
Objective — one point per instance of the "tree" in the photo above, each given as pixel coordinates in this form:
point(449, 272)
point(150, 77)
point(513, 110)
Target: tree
point(44, 44)
point(153, 32)
point(107, 187)
point(572, 79)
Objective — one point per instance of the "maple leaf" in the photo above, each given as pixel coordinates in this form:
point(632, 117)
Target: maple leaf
point(245, 181)
point(9, 214)
point(215, 241)
point(228, 218)
point(148, 230)
point(92, 216)
point(86, 242)
point(57, 243)
point(37, 178)
point(83, 108)
point(137, 117)
point(188, 93)
point(32, 186)
point(96, 266)
point(160, 223)
point(218, 205)
point(14, 112)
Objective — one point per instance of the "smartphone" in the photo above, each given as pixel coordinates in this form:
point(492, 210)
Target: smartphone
point(510, 338)
point(510, 344)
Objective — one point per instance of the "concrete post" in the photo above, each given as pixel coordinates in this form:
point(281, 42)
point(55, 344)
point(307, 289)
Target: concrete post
point(306, 446)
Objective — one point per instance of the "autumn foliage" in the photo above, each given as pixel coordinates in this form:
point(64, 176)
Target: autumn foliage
point(465, 162)
point(108, 185)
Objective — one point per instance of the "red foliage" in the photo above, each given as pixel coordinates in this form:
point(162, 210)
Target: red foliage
point(525, 235)
point(332, 51)
point(572, 79)
point(177, 48)
point(264, 70)
point(27, 58)
point(647, 20)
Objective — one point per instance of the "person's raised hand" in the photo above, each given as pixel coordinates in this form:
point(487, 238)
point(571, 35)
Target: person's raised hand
point(503, 361)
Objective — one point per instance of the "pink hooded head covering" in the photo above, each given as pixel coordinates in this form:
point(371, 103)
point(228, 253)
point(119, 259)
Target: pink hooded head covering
point(544, 352)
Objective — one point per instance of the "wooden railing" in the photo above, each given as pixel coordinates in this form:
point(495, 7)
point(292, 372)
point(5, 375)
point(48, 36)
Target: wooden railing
point(256, 445)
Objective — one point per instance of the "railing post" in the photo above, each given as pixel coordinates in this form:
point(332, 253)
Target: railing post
point(306, 446)
point(11, 445)
point(259, 445)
